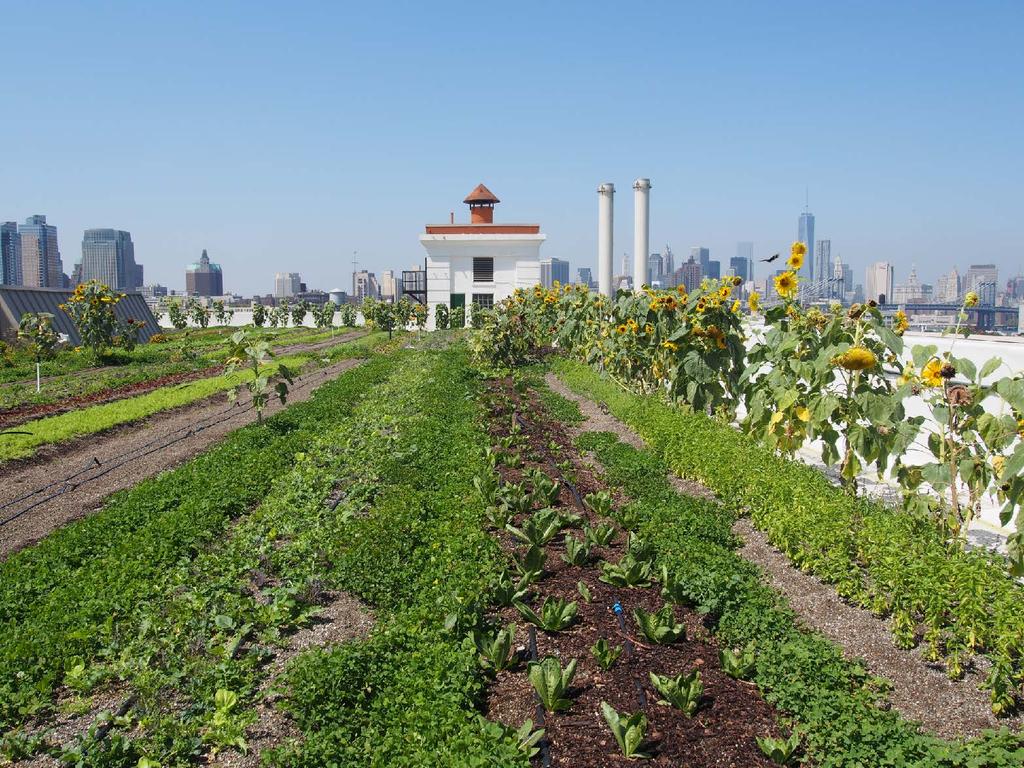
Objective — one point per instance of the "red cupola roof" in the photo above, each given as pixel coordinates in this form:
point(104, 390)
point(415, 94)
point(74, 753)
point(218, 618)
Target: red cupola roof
point(481, 196)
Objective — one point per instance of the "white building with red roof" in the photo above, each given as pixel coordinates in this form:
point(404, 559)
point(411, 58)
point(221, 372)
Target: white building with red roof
point(481, 261)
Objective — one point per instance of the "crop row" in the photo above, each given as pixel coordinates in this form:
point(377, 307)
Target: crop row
point(27, 438)
point(835, 703)
point(81, 596)
point(891, 562)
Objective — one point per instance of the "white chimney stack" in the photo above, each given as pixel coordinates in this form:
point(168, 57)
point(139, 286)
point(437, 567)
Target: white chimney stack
point(605, 208)
point(641, 231)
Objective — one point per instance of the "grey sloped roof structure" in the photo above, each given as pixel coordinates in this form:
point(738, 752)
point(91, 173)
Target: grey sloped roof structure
point(15, 301)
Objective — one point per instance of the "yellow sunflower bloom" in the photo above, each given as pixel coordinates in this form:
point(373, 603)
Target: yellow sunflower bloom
point(932, 373)
point(736, 306)
point(725, 292)
point(857, 359)
point(671, 346)
point(786, 285)
point(795, 260)
point(681, 289)
point(901, 323)
point(754, 302)
point(798, 248)
point(971, 299)
point(621, 329)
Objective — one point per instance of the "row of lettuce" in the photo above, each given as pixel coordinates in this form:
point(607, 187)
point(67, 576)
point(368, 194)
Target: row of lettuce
point(790, 375)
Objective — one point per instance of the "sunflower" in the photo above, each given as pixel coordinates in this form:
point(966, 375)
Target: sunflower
point(725, 292)
point(621, 329)
point(716, 334)
point(754, 302)
point(971, 299)
point(785, 285)
point(795, 260)
point(648, 329)
point(901, 323)
point(908, 375)
point(737, 280)
point(701, 305)
point(857, 359)
point(735, 306)
point(681, 289)
point(932, 373)
point(671, 346)
point(798, 248)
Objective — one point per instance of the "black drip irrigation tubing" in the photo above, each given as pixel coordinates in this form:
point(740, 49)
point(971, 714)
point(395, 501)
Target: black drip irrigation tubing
point(160, 443)
point(545, 745)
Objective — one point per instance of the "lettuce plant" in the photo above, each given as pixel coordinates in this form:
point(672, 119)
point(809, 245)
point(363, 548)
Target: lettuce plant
point(577, 552)
point(660, 626)
point(682, 691)
point(738, 664)
point(551, 682)
point(496, 650)
point(780, 751)
point(601, 535)
point(629, 732)
point(628, 572)
point(555, 614)
point(538, 529)
point(605, 653)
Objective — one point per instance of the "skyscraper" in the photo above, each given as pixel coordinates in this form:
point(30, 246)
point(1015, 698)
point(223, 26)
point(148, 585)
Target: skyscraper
point(390, 286)
point(655, 268)
point(714, 270)
point(702, 256)
point(982, 279)
point(287, 284)
point(10, 254)
point(668, 261)
point(878, 282)
point(108, 255)
point(41, 266)
point(823, 265)
point(805, 234)
point(690, 272)
point(552, 270)
point(204, 278)
point(947, 288)
point(364, 285)
point(745, 251)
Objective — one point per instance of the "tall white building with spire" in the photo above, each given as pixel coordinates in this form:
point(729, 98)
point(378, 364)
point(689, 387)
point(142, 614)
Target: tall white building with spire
point(805, 234)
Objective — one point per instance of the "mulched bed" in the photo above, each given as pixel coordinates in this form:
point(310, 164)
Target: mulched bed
point(732, 713)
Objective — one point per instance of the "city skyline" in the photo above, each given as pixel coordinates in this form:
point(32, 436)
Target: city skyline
point(260, 121)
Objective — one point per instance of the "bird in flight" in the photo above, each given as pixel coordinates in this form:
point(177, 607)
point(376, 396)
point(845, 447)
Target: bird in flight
point(770, 259)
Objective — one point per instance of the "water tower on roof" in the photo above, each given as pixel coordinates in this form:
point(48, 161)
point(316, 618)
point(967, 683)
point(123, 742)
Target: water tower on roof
point(481, 205)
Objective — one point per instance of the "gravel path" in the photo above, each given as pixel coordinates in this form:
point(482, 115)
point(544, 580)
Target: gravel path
point(64, 482)
point(920, 691)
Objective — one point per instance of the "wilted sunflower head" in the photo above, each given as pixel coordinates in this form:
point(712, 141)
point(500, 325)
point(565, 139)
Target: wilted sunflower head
point(971, 299)
point(958, 395)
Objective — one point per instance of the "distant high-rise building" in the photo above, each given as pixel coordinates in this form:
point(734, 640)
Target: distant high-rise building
point(982, 279)
point(947, 288)
point(690, 273)
point(204, 278)
point(287, 284)
point(552, 270)
point(585, 276)
point(744, 253)
point(805, 234)
point(908, 292)
point(390, 286)
point(41, 266)
point(365, 285)
point(823, 265)
point(668, 261)
point(1015, 288)
point(714, 270)
point(848, 285)
point(702, 256)
point(878, 282)
point(10, 254)
point(655, 269)
point(108, 255)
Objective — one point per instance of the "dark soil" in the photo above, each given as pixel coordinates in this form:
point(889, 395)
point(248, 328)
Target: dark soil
point(732, 713)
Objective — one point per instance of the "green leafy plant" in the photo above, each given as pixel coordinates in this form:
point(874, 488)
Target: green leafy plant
point(599, 503)
point(299, 310)
point(555, 614)
point(545, 489)
point(738, 663)
point(226, 728)
point(91, 309)
point(683, 691)
point(605, 653)
point(497, 652)
point(551, 682)
point(505, 591)
point(600, 535)
point(486, 485)
point(221, 313)
point(498, 516)
point(538, 529)
point(442, 317)
point(259, 315)
point(254, 354)
point(199, 313)
point(584, 591)
point(516, 497)
point(530, 564)
point(629, 731)
point(577, 552)
point(660, 626)
point(780, 751)
point(177, 313)
point(628, 572)
point(36, 331)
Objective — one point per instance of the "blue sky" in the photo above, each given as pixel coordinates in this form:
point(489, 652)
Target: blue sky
point(287, 136)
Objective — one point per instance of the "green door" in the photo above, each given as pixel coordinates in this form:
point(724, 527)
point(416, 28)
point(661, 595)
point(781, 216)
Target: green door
point(459, 302)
